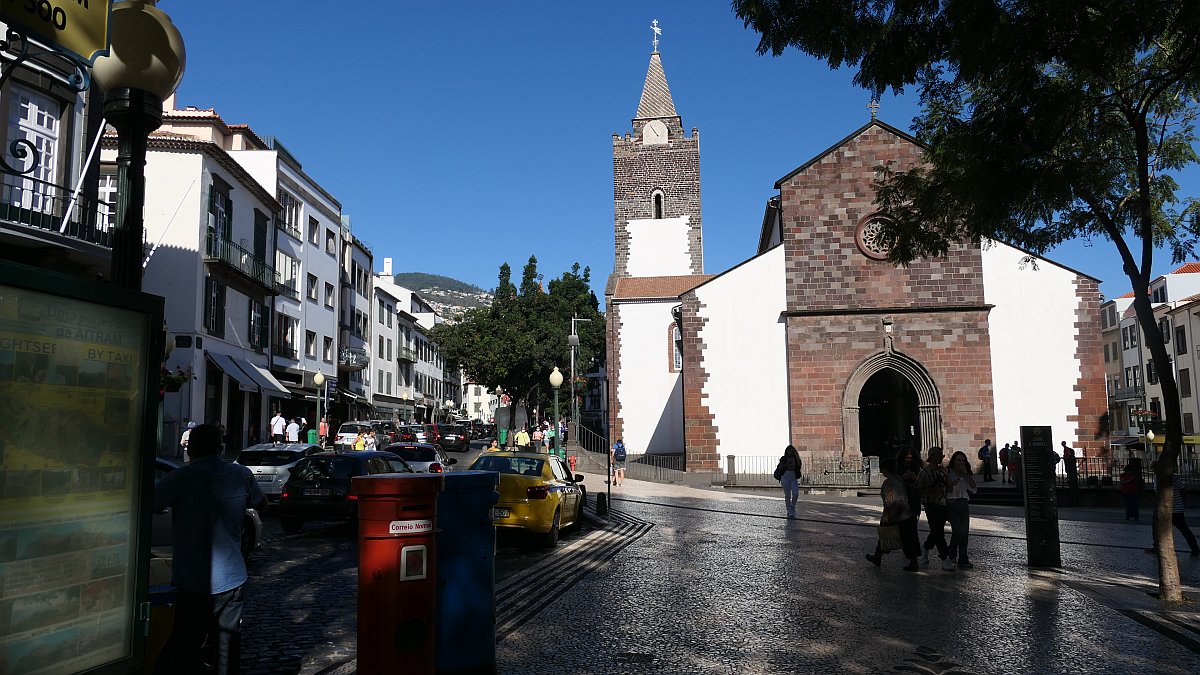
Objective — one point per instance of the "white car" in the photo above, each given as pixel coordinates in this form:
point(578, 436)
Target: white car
point(271, 463)
point(348, 433)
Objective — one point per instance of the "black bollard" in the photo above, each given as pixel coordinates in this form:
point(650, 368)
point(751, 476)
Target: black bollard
point(601, 504)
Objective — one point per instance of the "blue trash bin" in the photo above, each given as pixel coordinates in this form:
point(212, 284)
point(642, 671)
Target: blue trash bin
point(466, 593)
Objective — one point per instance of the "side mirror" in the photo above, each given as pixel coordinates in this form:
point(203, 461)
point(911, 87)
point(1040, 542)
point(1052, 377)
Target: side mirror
point(451, 460)
point(578, 478)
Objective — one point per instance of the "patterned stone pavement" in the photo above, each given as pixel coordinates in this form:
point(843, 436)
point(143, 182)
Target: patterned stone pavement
point(702, 581)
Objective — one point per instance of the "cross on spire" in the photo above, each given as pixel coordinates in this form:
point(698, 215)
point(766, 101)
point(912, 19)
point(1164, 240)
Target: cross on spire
point(657, 31)
point(874, 106)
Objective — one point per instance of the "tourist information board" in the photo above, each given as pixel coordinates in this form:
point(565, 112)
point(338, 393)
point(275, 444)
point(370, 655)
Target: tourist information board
point(1041, 508)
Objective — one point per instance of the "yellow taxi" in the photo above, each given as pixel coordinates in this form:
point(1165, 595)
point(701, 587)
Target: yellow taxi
point(538, 493)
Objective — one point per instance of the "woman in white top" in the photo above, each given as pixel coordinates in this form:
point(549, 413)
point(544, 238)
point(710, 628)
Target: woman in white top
point(962, 486)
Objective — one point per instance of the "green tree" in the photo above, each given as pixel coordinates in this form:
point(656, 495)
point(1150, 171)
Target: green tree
point(517, 342)
point(1042, 121)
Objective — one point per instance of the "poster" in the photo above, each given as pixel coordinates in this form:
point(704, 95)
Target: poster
point(71, 377)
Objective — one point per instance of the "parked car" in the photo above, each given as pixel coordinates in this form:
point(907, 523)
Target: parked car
point(423, 457)
point(160, 527)
point(319, 486)
point(451, 437)
point(385, 433)
point(344, 440)
point(271, 463)
point(538, 493)
point(419, 434)
point(489, 431)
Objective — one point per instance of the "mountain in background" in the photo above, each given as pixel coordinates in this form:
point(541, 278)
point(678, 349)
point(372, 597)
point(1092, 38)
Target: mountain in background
point(450, 297)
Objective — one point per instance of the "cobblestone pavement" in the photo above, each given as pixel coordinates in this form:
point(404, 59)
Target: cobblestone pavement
point(703, 581)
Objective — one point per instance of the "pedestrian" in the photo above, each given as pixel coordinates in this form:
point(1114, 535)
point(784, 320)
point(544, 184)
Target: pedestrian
point(1016, 469)
point(277, 427)
point(619, 454)
point(522, 439)
point(293, 431)
point(208, 499)
point(537, 438)
point(1130, 494)
point(369, 441)
point(360, 442)
point(985, 458)
point(895, 510)
point(1178, 516)
point(908, 468)
point(1071, 464)
point(788, 472)
point(323, 430)
point(551, 433)
point(183, 440)
point(934, 483)
point(962, 486)
point(494, 447)
point(1003, 457)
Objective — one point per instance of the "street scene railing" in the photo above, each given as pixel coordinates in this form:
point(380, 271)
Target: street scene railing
point(39, 204)
point(242, 260)
point(1105, 472)
point(759, 470)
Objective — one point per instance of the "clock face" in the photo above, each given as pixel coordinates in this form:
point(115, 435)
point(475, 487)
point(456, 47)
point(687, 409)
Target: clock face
point(654, 133)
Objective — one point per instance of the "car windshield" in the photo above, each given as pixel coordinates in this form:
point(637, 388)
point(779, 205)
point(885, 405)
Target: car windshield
point(354, 428)
point(415, 454)
point(268, 457)
point(315, 468)
point(526, 466)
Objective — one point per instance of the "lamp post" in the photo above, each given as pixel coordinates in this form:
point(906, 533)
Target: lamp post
point(319, 380)
point(555, 382)
point(144, 66)
point(573, 341)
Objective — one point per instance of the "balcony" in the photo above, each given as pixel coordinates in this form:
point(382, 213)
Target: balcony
point(1128, 394)
point(32, 227)
point(353, 358)
point(406, 354)
point(244, 266)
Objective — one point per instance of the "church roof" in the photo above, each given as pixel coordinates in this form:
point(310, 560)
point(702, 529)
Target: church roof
point(873, 123)
point(656, 95)
point(640, 288)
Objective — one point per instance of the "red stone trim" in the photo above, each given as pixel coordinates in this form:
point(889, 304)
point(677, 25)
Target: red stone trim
point(701, 448)
point(615, 424)
point(1091, 391)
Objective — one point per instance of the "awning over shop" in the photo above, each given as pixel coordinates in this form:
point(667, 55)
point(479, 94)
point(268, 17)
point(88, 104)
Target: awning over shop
point(1124, 440)
point(226, 364)
point(1187, 440)
point(265, 379)
point(300, 393)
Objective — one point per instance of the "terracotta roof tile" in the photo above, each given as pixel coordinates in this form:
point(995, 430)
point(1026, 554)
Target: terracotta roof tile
point(1187, 268)
point(657, 287)
point(1128, 295)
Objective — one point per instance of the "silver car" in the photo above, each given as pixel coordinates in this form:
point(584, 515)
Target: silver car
point(423, 457)
point(271, 463)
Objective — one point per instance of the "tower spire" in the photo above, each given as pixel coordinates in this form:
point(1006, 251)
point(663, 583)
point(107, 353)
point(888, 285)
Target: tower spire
point(656, 95)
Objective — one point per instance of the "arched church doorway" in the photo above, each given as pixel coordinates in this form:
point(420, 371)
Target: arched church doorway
point(888, 413)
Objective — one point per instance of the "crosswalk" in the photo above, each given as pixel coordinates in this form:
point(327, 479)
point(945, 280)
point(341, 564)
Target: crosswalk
point(522, 595)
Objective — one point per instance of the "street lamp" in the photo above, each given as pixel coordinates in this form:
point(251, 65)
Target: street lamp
point(144, 66)
point(573, 341)
point(555, 383)
point(319, 380)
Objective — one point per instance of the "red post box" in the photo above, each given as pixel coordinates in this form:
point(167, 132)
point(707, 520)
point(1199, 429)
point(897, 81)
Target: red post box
point(397, 572)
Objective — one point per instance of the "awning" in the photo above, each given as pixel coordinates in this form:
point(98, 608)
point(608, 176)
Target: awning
point(1187, 440)
point(1124, 440)
point(298, 392)
point(265, 379)
point(226, 364)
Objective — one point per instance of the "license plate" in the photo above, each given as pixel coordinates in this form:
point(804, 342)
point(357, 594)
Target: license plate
point(500, 512)
point(265, 479)
point(317, 492)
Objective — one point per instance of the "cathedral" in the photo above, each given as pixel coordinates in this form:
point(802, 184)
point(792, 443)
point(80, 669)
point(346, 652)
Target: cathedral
point(817, 341)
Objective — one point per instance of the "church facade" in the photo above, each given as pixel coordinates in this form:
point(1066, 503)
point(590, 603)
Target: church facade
point(817, 340)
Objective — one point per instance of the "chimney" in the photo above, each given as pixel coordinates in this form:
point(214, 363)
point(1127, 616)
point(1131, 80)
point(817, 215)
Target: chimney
point(387, 266)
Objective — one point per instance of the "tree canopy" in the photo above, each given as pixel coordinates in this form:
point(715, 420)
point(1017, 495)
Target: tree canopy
point(1042, 121)
point(517, 342)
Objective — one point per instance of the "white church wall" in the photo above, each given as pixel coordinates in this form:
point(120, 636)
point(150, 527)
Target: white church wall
point(745, 356)
point(658, 247)
point(1032, 330)
point(651, 395)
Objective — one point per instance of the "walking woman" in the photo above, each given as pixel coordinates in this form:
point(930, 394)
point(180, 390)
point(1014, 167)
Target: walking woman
point(895, 510)
point(1130, 494)
point(789, 477)
point(962, 486)
point(908, 468)
point(935, 487)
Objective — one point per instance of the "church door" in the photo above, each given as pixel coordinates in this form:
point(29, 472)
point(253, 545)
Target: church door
point(888, 413)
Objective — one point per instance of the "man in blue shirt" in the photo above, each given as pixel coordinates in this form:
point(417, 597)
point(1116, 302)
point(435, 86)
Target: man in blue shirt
point(208, 500)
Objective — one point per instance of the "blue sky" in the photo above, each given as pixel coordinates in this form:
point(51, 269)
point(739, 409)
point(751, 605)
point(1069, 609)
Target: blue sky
point(461, 135)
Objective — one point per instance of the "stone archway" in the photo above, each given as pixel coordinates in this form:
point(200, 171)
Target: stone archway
point(919, 383)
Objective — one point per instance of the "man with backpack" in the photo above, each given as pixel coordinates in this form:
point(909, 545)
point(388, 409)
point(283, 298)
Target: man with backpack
point(1004, 477)
point(985, 458)
point(618, 456)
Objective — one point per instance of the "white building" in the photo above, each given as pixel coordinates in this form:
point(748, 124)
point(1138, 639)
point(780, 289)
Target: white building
point(356, 329)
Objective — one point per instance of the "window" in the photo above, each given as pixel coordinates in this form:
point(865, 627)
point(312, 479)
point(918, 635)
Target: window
point(220, 212)
point(658, 205)
point(289, 271)
point(1185, 383)
point(257, 329)
point(1129, 336)
point(1164, 327)
point(312, 288)
point(1189, 424)
point(285, 336)
point(330, 242)
point(389, 316)
point(214, 307)
point(329, 295)
point(106, 195)
point(389, 384)
point(1106, 359)
point(1112, 315)
point(389, 349)
point(380, 376)
point(289, 217)
point(1151, 373)
point(314, 231)
point(676, 349)
point(36, 118)
point(1180, 340)
point(1156, 408)
point(327, 350)
point(380, 312)
point(1159, 294)
point(380, 351)
point(310, 344)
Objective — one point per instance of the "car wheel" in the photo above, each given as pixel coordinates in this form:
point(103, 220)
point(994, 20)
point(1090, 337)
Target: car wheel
point(247, 538)
point(291, 525)
point(550, 539)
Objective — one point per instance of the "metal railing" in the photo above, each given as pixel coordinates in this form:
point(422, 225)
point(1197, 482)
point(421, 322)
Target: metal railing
point(1106, 472)
point(650, 467)
point(41, 205)
point(242, 260)
point(406, 354)
point(759, 470)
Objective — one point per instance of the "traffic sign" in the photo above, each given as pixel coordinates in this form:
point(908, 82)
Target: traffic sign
point(78, 27)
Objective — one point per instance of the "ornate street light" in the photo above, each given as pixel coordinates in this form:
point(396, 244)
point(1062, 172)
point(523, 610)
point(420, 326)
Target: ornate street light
point(556, 380)
point(144, 66)
point(319, 380)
